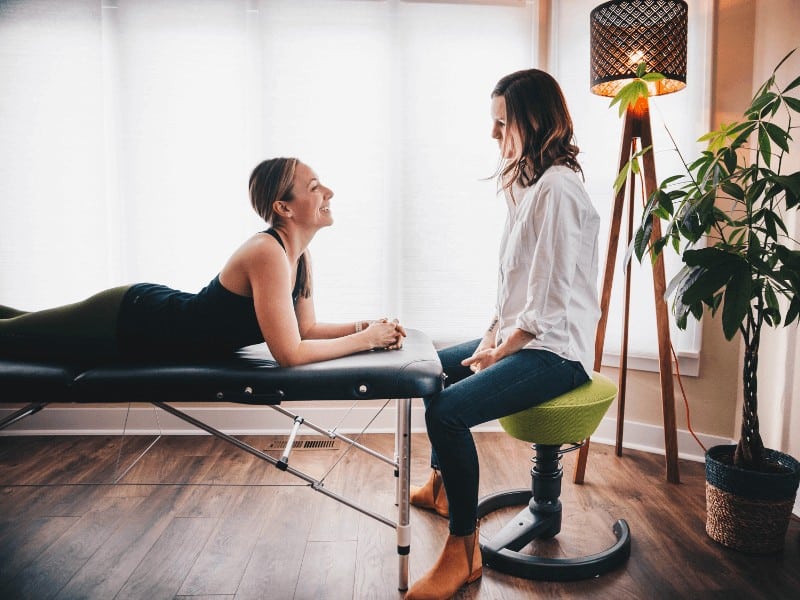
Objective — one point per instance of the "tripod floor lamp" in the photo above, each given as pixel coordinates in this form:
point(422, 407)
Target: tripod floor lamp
point(624, 34)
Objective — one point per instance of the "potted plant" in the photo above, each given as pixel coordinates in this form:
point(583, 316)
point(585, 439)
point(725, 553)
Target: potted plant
point(741, 261)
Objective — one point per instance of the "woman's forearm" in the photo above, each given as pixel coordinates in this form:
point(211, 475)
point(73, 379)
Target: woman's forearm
point(380, 334)
point(515, 342)
point(490, 335)
point(326, 331)
point(315, 350)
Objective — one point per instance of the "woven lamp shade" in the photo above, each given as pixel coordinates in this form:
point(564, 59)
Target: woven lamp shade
point(625, 33)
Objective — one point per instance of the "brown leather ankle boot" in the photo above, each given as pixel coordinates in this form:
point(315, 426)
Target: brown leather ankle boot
point(460, 563)
point(431, 495)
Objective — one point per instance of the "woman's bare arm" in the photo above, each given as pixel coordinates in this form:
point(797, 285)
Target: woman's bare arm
point(270, 276)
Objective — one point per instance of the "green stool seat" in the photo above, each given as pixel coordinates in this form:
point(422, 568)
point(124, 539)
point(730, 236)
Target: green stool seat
point(570, 418)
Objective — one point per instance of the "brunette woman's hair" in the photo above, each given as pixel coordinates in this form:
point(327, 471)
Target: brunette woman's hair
point(270, 182)
point(537, 111)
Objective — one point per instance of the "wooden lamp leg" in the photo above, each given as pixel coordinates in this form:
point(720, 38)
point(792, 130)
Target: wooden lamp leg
point(637, 125)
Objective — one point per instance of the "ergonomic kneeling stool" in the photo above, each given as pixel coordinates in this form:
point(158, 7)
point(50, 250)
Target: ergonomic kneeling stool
point(568, 419)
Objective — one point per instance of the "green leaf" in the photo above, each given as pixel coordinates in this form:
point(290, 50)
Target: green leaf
point(783, 60)
point(629, 94)
point(753, 246)
point(642, 91)
point(773, 308)
point(760, 102)
point(657, 247)
point(641, 69)
point(691, 221)
point(707, 257)
point(708, 282)
point(777, 135)
point(670, 180)
point(792, 85)
point(654, 76)
point(685, 278)
point(664, 201)
point(792, 103)
point(715, 303)
point(753, 193)
point(676, 241)
point(642, 238)
point(790, 258)
point(622, 177)
point(764, 146)
point(779, 223)
point(769, 224)
point(737, 301)
point(705, 159)
point(730, 159)
point(734, 190)
point(791, 182)
point(744, 135)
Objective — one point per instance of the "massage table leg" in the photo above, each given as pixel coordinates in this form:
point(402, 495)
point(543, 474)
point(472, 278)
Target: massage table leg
point(32, 408)
point(403, 443)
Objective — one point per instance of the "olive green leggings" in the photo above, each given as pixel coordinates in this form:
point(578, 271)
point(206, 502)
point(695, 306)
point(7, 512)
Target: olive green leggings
point(86, 329)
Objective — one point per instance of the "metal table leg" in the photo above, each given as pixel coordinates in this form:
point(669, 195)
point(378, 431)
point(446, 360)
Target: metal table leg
point(403, 439)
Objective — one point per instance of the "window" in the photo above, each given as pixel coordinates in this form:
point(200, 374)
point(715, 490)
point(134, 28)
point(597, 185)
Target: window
point(130, 129)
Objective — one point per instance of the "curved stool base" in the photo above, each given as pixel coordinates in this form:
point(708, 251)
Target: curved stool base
point(501, 554)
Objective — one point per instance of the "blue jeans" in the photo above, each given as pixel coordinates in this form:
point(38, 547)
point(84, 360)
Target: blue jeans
point(519, 381)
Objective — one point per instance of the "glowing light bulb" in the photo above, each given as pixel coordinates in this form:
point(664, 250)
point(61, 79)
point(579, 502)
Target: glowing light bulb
point(636, 57)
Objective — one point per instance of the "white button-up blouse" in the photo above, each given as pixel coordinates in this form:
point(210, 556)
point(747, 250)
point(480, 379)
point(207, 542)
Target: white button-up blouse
point(547, 282)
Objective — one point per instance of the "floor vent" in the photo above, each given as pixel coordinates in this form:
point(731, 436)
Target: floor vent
point(301, 443)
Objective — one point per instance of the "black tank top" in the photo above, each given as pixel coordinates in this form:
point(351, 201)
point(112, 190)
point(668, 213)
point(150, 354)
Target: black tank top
point(156, 321)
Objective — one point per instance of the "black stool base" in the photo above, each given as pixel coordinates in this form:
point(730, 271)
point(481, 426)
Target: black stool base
point(501, 552)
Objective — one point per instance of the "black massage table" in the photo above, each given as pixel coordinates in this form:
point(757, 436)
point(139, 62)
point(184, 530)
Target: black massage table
point(249, 377)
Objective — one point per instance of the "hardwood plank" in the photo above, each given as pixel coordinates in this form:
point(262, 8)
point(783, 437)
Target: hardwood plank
point(17, 552)
point(54, 567)
point(274, 566)
point(328, 571)
point(223, 559)
point(166, 565)
point(376, 563)
point(111, 565)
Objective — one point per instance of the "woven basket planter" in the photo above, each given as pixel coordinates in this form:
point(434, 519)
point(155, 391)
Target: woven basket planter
point(749, 510)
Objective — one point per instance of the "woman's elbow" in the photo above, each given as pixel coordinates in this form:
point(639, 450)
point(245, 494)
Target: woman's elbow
point(287, 360)
point(294, 363)
point(290, 358)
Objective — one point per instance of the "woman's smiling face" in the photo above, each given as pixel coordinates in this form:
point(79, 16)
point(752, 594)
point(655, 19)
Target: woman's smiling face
point(310, 199)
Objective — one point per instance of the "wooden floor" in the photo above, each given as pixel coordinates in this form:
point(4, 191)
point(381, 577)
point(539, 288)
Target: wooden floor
point(198, 519)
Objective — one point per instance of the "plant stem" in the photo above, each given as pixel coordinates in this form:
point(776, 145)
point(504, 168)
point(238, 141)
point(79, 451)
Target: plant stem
point(749, 452)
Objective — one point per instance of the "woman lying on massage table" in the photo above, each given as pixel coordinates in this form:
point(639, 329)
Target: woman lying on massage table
point(263, 293)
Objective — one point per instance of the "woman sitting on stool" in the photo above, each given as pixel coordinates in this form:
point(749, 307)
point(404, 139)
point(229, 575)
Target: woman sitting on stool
point(540, 344)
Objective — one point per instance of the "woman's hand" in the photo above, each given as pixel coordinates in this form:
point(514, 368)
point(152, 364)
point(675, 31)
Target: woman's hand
point(482, 358)
point(385, 334)
point(485, 356)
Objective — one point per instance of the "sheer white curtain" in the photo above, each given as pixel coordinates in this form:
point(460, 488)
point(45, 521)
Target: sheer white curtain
point(129, 129)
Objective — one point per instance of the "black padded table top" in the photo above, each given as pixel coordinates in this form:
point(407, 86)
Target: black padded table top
point(249, 376)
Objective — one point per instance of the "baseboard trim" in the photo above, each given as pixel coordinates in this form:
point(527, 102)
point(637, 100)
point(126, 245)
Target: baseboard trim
point(258, 420)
